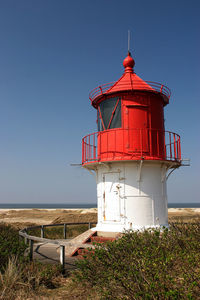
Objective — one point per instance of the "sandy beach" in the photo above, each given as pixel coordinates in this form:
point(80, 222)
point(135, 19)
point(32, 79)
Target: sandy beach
point(26, 217)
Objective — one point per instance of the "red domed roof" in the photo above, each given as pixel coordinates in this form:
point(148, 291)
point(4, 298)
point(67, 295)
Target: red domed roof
point(129, 81)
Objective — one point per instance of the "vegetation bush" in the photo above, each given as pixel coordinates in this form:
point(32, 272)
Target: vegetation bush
point(147, 265)
point(19, 278)
point(10, 245)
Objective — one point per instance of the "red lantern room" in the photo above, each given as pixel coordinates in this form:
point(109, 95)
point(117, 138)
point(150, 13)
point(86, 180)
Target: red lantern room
point(130, 116)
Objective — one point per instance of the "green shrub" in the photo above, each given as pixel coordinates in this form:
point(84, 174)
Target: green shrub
point(19, 278)
point(148, 265)
point(10, 245)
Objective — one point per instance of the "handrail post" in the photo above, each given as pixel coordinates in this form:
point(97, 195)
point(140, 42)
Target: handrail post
point(31, 250)
point(64, 231)
point(20, 238)
point(26, 239)
point(42, 231)
point(89, 225)
point(62, 257)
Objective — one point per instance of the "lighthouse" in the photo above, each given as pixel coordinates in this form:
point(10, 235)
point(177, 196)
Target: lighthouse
point(131, 154)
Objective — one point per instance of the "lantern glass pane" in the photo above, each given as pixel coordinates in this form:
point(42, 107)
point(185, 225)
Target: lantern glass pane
point(107, 107)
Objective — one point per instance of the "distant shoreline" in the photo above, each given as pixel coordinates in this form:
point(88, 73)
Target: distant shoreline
point(78, 205)
point(170, 209)
point(91, 209)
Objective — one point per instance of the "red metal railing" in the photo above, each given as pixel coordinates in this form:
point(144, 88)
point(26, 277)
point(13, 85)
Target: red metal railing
point(131, 144)
point(137, 85)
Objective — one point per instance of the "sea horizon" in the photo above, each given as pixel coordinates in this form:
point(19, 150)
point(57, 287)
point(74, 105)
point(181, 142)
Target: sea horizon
point(79, 205)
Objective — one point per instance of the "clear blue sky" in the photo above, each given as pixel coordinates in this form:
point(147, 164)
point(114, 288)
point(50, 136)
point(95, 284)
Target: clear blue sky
point(52, 53)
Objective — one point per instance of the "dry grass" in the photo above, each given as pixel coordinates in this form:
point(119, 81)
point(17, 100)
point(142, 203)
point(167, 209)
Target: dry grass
point(35, 281)
point(9, 278)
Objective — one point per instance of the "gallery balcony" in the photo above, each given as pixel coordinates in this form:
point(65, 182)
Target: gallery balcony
point(131, 144)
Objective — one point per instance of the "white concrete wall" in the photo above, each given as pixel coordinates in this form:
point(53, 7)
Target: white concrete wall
point(131, 195)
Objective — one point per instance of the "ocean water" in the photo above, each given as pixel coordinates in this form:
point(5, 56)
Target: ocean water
point(46, 205)
point(79, 205)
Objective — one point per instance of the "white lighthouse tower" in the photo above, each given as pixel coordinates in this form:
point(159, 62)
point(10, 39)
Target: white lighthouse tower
point(131, 153)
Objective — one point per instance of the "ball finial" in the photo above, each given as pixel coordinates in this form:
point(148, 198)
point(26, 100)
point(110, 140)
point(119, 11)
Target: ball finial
point(129, 63)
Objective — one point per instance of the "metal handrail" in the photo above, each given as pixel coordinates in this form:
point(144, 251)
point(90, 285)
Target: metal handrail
point(30, 238)
point(163, 145)
point(154, 87)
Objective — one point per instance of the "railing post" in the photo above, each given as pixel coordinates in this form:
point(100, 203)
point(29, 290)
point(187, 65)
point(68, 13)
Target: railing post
point(64, 231)
point(88, 153)
point(86, 149)
point(31, 250)
point(107, 142)
point(150, 137)
point(89, 225)
point(82, 152)
point(170, 144)
point(94, 153)
point(157, 137)
point(175, 146)
point(42, 231)
point(89, 148)
point(164, 147)
point(115, 146)
point(62, 257)
point(25, 239)
point(96, 146)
